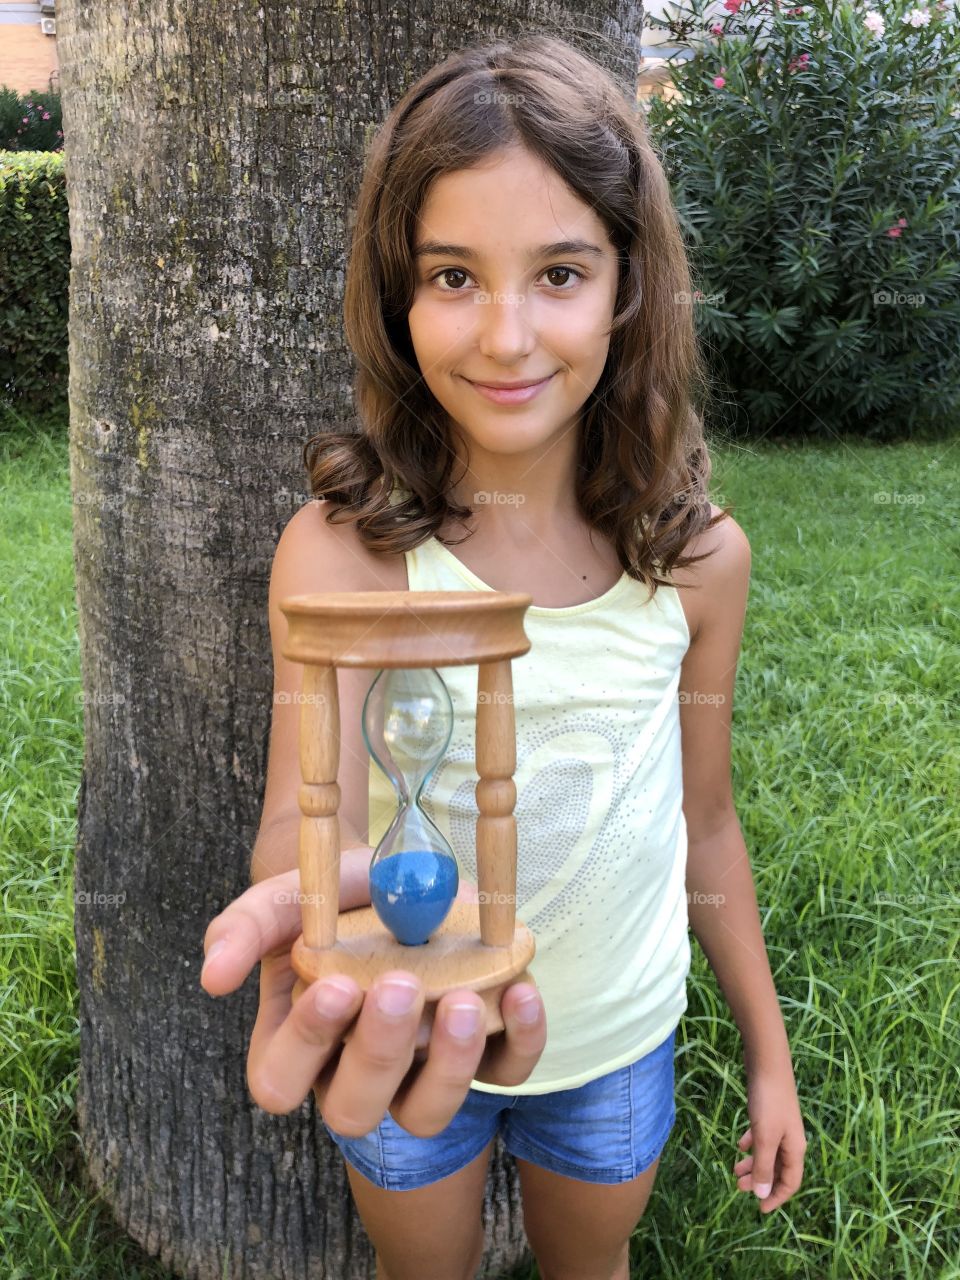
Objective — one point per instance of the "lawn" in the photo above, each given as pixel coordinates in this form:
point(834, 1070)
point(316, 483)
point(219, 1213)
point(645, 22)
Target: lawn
point(846, 776)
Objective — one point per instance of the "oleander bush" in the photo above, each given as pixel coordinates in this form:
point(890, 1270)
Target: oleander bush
point(30, 121)
point(813, 155)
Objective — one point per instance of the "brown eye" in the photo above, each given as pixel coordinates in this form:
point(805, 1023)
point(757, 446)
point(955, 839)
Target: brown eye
point(450, 271)
point(567, 271)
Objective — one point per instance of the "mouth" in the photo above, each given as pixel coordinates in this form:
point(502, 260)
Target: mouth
point(517, 394)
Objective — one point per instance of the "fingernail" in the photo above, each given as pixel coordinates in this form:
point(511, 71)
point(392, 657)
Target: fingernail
point(396, 997)
point(528, 1011)
point(763, 1190)
point(333, 998)
point(217, 947)
point(462, 1020)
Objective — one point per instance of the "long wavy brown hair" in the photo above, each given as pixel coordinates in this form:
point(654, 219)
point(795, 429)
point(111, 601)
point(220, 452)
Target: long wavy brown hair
point(643, 467)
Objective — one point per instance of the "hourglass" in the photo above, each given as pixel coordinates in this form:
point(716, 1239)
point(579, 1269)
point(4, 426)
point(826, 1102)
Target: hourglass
point(414, 877)
point(415, 920)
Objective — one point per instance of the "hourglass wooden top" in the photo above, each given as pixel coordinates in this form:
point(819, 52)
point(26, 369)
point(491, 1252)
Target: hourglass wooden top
point(405, 628)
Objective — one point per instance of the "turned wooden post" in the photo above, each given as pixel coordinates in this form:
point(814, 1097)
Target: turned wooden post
point(319, 804)
point(496, 755)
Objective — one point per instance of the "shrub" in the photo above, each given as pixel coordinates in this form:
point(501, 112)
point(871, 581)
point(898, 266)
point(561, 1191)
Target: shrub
point(30, 121)
point(813, 156)
point(35, 271)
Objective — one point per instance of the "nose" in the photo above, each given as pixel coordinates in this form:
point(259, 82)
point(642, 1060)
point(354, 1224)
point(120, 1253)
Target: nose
point(506, 336)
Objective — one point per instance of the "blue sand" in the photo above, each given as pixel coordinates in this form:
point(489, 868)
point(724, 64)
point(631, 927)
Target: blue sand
point(412, 891)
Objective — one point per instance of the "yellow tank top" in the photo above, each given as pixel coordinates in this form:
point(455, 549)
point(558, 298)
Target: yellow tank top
point(601, 835)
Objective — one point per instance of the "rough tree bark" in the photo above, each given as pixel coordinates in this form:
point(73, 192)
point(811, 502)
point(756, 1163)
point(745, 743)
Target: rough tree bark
point(212, 158)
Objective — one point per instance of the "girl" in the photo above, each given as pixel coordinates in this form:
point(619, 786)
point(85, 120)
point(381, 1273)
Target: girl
point(519, 304)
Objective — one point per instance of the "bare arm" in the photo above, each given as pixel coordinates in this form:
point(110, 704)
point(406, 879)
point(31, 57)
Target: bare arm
point(313, 556)
point(722, 903)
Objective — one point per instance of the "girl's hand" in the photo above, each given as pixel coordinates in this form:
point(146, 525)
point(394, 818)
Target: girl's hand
point(774, 1170)
point(468, 891)
point(295, 1048)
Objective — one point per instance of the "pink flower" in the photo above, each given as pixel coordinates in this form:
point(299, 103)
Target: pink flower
point(733, 6)
point(901, 222)
point(718, 82)
point(46, 115)
point(26, 119)
point(716, 29)
point(893, 232)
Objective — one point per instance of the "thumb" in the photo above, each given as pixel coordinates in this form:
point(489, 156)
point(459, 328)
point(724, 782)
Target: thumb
point(762, 1171)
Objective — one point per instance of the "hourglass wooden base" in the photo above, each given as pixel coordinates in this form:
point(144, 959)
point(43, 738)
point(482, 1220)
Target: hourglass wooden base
point(480, 945)
point(454, 959)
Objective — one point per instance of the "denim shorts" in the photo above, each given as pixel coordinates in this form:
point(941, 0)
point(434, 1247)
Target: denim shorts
point(608, 1130)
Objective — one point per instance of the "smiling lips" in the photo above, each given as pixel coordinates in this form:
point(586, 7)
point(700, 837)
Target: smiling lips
point(510, 393)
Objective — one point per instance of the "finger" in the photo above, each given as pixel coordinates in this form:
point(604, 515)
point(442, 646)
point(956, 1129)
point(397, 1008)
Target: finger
point(277, 980)
point(265, 918)
point(746, 1140)
point(376, 1057)
point(764, 1167)
point(789, 1177)
point(430, 1096)
point(510, 1055)
point(291, 1045)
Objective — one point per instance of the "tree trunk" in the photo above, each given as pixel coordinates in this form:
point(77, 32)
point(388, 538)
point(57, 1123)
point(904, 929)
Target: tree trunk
point(212, 155)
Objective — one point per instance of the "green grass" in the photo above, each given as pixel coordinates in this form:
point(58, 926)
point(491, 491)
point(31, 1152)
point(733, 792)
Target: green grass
point(846, 777)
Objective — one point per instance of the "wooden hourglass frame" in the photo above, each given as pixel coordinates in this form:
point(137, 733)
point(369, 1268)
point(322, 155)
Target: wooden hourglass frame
point(384, 629)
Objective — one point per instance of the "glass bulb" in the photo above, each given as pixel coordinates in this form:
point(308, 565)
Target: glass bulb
point(414, 877)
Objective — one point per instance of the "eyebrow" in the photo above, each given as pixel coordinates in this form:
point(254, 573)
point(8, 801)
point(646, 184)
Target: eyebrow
point(560, 248)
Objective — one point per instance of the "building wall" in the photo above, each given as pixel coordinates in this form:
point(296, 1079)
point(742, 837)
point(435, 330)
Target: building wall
point(28, 58)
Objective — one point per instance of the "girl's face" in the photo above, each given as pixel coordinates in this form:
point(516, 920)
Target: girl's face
point(499, 299)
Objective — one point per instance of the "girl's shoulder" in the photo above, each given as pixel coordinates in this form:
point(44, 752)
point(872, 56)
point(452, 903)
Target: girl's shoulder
point(314, 554)
point(707, 585)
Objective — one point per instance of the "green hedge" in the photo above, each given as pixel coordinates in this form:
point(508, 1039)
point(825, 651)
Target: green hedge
point(34, 278)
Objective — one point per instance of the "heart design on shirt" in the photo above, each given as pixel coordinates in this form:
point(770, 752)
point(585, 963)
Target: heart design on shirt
point(559, 814)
